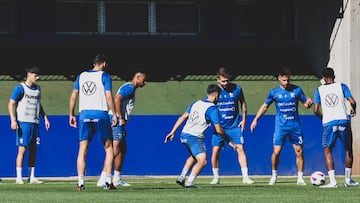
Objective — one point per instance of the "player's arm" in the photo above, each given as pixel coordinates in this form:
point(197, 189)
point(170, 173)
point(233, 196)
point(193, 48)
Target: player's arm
point(350, 98)
point(72, 101)
point(118, 103)
point(317, 101)
point(220, 131)
point(44, 116)
point(263, 108)
point(107, 82)
point(317, 111)
point(353, 106)
point(111, 104)
point(243, 106)
point(11, 108)
point(180, 120)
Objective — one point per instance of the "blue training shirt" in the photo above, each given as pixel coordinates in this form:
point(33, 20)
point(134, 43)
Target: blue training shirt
point(286, 104)
point(228, 105)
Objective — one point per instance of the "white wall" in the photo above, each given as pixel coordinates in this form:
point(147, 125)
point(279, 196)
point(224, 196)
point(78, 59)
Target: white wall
point(345, 59)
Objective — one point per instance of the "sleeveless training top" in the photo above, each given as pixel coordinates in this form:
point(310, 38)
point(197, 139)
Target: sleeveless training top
point(28, 108)
point(91, 92)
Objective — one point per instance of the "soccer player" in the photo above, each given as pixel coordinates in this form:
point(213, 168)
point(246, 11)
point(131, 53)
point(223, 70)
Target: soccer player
point(25, 108)
point(230, 97)
point(287, 122)
point(336, 122)
point(198, 116)
point(124, 104)
point(94, 88)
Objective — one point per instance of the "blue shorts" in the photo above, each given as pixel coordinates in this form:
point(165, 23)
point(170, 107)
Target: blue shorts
point(235, 135)
point(94, 127)
point(27, 134)
point(293, 133)
point(195, 145)
point(118, 132)
point(334, 132)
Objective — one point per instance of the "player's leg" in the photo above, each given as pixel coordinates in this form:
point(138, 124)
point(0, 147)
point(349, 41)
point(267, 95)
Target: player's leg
point(31, 163)
point(196, 169)
point(329, 139)
point(108, 162)
point(197, 149)
point(23, 137)
point(217, 143)
point(236, 136)
point(103, 130)
point(279, 139)
point(118, 163)
point(120, 149)
point(242, 159)
point(19, 164)
point(81, 162)
point(296, 139)
point(115, 137)
point(215, 162)
point(349, 182)
point(275, 158)
point(187, 166)
point(32, 155)
point(299, 163)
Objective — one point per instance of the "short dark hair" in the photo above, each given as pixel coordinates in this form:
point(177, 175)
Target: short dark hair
point(328, 73)
point(100, 58)
point(138, 70)
point(284, 71)
point(213, 88)
point(223, 73)
point(32, 69)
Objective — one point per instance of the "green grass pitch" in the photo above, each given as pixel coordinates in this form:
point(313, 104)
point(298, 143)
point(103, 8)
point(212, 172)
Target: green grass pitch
point(164, 189)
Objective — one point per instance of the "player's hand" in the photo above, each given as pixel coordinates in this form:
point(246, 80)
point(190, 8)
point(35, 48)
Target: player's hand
point(242, 125)
point(169, 137)
point(47, 124)
point(308, 103)
point(352, 112)
point(14, 125)
point(114, 121)
point(122, 122)
point(72, 121)
point(231, 144)
point(253, 125)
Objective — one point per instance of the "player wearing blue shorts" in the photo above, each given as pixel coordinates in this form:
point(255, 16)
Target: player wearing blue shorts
point(94, 88)
point(331, 96)
point(230, 97)
point(124, 104)
point(287, 122)
point(24, 110)
point(198, 116)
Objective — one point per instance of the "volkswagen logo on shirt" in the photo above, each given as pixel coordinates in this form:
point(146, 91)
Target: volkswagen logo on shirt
point(331, 100)
point(88, 88)
point(194, 116)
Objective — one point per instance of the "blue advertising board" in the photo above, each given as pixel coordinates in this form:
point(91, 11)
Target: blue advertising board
point(148, 154)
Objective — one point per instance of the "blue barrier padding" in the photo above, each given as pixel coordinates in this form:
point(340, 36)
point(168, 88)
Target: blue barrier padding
point(148, 155)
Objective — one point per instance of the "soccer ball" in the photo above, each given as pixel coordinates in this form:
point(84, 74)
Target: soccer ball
point(317, 178)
